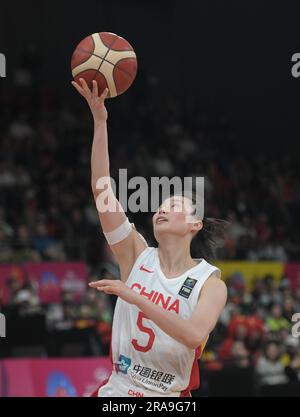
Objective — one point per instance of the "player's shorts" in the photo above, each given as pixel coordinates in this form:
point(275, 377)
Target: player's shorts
point(132, 391)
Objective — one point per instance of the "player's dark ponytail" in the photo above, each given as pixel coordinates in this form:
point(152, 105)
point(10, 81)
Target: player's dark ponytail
point(209, 238)
point(212, 234)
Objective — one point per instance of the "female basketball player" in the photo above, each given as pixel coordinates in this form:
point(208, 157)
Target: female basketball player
point(168, 302)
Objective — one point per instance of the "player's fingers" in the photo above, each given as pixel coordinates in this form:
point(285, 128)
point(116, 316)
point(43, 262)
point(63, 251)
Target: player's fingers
point(100, 289)
point(99, 283)
point(85, 86)
point(95, 89)
point(95, 284)
point(77, 87)
point(106, 289)
point(104, 94)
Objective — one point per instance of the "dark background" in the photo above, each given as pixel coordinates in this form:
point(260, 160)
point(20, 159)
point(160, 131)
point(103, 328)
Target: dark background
point(235, 56)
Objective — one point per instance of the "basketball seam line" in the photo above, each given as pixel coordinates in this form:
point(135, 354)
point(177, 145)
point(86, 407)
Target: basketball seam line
point(106, 60)
point(109, 48)
point(94, 49)
point(103, 59)
point(117, 50)
point(97, 70)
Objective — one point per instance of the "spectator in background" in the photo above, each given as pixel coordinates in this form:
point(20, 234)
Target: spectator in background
point(274, 251)
point(269, 369)
point(237, 331)
point(26, 301)
point(256, 335)
point(5, 227)
point(265, 292)
point(293, 370)
point(276, 321)
point(46, 245)
point(6, 249)
point(237, 230)
point(23, 246)
point(20, 128)
point(288, 308)
point(240, 356)
point(292, 348)
point(7, 176)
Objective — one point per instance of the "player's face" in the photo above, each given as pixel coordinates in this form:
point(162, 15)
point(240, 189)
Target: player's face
point(174, 216)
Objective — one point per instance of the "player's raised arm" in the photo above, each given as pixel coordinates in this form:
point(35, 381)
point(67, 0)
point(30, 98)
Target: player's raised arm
point(124, 241)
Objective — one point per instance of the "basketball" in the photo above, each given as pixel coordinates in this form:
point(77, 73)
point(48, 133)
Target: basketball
point(106, 58)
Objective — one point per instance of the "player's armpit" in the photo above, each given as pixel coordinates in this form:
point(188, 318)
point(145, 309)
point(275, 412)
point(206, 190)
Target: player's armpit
point(211, 302)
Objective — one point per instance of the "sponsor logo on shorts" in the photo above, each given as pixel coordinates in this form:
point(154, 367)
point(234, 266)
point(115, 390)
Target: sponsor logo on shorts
point(153, 378)
point(123, 364)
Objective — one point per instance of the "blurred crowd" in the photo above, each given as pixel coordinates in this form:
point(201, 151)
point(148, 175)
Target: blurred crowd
point(259, 329)
point(82, 318)
point(46, 205)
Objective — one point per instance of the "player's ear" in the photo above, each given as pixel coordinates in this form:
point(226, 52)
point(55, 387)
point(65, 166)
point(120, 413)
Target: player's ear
point(197, 226)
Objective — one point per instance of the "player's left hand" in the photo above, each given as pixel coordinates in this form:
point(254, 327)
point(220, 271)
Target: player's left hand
point(115, 287)
point(95, 102)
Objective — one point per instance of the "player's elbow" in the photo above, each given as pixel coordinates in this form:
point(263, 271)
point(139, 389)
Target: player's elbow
point(194, 338)
point(194, 343)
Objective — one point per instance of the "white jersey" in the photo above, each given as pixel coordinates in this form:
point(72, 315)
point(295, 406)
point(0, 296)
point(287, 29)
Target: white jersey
point(146, 361)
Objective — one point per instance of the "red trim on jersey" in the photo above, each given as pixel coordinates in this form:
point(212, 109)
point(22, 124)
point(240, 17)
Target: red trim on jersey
point(95, 393)
point(194, 377)
point(110, 353)
point(185, 394)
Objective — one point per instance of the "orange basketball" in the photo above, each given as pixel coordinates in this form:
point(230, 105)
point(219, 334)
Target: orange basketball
point(106, 58)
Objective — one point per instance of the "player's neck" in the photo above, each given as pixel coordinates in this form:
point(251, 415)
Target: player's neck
point(175, 258)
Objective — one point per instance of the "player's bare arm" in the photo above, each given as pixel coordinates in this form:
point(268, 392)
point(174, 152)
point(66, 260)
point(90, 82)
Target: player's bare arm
point(128, 249)
point(190, 332)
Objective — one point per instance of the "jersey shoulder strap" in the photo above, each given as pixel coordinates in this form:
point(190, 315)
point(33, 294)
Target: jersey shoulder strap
point(202, 274)
point(144, 260)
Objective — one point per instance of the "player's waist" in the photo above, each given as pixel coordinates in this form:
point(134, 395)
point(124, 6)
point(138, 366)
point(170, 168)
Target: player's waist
point(123, 385)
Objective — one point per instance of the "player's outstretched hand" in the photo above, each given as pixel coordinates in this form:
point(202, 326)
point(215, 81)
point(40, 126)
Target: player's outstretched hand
point(115, 287)
point(95, 102)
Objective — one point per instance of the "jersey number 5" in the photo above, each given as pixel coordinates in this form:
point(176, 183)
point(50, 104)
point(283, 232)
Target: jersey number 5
point(143, 329)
